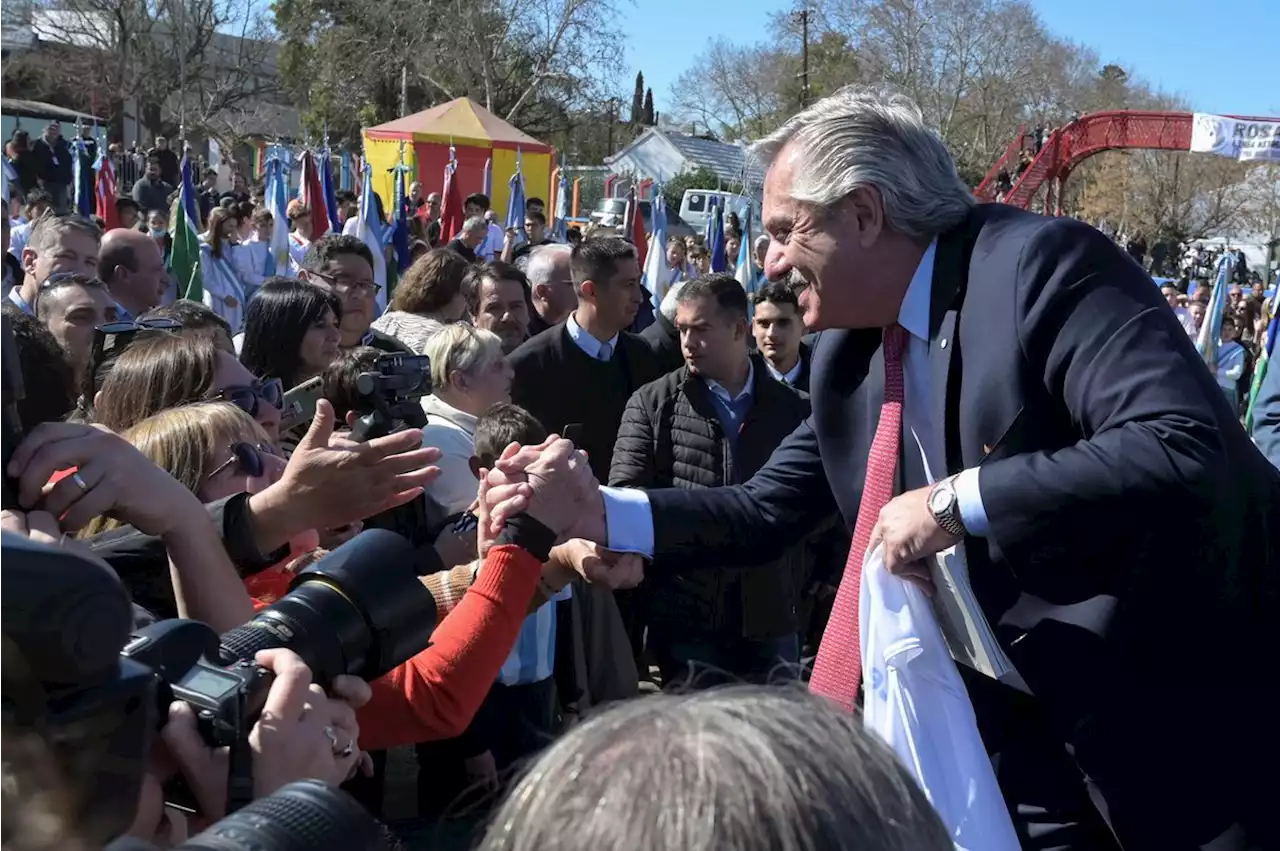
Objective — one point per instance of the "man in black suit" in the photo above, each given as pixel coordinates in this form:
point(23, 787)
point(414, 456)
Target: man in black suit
point(1052, 413)
point(779, 331)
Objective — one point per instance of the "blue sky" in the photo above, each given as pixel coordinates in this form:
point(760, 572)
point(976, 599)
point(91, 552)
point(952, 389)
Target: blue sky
point(1222, 56)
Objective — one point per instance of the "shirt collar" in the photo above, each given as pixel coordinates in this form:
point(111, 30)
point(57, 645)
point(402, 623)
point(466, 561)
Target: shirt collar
point(435, 405)
point(790, 376)
point(123, 314)
point(748, 387)
point(914, 313)
point(590, 345)
point(15, 296)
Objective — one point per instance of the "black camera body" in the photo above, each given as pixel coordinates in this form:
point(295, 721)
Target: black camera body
point(186, 658)
point(394, 389)
point(79, 676)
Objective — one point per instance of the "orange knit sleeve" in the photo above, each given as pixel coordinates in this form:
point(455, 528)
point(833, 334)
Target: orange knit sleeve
point(436, 693)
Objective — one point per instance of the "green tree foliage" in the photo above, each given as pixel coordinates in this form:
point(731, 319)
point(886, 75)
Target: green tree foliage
point(700, 178)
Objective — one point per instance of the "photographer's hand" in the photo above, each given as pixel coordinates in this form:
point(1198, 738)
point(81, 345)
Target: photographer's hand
point(331, 481)
point(300, 734)
point(111, 478)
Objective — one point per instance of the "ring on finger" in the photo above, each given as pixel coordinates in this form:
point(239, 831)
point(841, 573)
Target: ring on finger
point(79, 481)
point(347, 751)
point(332, 737)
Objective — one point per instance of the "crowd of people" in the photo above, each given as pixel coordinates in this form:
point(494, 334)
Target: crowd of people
point(513, 333)
point(205, 452)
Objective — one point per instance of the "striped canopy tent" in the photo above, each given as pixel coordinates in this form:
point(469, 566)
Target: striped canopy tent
point(476, 134)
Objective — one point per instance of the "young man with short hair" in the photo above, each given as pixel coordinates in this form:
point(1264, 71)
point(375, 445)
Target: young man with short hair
point(57, 244)
point(779, 334)
point(345, 264)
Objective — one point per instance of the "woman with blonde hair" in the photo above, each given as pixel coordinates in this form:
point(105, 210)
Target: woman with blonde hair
point(469, 375)
point(215, 450)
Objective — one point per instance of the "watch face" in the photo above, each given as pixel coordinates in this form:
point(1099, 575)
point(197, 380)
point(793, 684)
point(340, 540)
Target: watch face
point(940, 500)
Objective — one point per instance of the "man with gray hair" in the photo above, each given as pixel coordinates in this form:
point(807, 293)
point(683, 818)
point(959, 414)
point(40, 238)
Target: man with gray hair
point(1047, 410)
point(734, 769)
point(551, 286)
point(469, 239)
point(58, 244)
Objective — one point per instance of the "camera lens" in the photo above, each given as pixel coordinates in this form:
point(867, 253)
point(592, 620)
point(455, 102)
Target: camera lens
point(306, 815)
point(359, 610)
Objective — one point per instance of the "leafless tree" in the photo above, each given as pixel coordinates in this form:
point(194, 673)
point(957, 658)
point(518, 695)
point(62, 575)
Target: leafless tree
point(172, 58)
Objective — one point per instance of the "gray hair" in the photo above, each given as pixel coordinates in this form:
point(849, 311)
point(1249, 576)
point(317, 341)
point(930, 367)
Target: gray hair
point(866, 137)
point(460, 347)
point(49, 229)
point(742, 768)
point(474, 224)
point(670, 300)
point(542, 261)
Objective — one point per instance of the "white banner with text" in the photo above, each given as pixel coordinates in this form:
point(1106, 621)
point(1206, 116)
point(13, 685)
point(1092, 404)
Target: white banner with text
point(1253, 140)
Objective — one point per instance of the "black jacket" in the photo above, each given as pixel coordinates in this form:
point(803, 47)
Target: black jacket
point(664, 339)
point(671, 437)
point(142, 562)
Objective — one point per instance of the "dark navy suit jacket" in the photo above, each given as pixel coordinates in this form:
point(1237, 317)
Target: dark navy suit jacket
point(1112, 471)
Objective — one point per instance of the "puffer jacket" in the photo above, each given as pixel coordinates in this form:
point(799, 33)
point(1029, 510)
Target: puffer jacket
point(671, 437)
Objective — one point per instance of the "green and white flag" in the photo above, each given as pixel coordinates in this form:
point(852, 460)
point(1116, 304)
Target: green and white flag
point(184, 230)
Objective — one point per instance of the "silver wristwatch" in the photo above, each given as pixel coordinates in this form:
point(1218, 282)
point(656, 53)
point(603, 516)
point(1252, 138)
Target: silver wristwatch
point(944, 505)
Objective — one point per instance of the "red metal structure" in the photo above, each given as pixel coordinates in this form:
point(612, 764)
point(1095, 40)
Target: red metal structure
point(1073, 143)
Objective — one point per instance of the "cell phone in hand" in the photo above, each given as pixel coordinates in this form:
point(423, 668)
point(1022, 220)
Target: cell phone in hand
point(300, 403)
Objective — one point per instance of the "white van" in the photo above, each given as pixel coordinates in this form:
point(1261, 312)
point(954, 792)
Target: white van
point(696, 205)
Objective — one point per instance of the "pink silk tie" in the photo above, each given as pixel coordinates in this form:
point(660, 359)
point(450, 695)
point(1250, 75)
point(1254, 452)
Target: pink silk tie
point(837, 672)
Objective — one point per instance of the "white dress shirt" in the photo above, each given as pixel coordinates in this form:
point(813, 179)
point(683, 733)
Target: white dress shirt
point(790, 376)
point(629, 518)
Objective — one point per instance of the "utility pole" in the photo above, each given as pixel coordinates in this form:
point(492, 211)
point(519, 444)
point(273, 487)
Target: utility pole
point(802, 18)
point(404, 90)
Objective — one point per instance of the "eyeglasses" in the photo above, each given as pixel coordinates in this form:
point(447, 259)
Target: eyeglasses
point(112, 338)
point(344, 287)
point(247, 397)
point(249, 457)
point(67, 279)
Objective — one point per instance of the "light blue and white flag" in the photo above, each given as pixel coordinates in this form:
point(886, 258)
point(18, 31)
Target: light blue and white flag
point(657, 275)
point(279, 162)
point(1211, 330)
point(515, 202)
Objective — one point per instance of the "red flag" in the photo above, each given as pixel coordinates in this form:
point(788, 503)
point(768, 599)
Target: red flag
point(638, 237)
point(311, 194)
point(451, 208)
point(104, 205)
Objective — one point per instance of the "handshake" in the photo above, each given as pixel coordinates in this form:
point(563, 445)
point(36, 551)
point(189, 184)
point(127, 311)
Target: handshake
point(553, 483)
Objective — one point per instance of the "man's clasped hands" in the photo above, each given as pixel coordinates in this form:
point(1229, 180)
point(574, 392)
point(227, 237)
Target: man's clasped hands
point(553, 483)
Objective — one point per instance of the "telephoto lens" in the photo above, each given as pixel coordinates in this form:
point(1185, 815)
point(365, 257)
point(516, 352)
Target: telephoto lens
point(360, 610)
point(306, 815)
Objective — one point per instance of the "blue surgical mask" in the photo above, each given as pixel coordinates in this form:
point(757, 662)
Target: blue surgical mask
point(158, 232)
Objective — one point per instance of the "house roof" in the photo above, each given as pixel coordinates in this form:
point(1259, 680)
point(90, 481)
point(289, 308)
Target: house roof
point(730, 162)
point(461, 120)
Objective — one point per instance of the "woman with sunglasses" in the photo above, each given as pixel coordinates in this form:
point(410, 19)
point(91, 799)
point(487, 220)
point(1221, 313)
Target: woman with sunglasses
point(165, 370)
point(215, 450)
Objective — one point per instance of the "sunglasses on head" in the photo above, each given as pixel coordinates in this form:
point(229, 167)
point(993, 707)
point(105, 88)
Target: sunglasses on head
point(112, 338)
point(249, 457)
point(247, 397)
